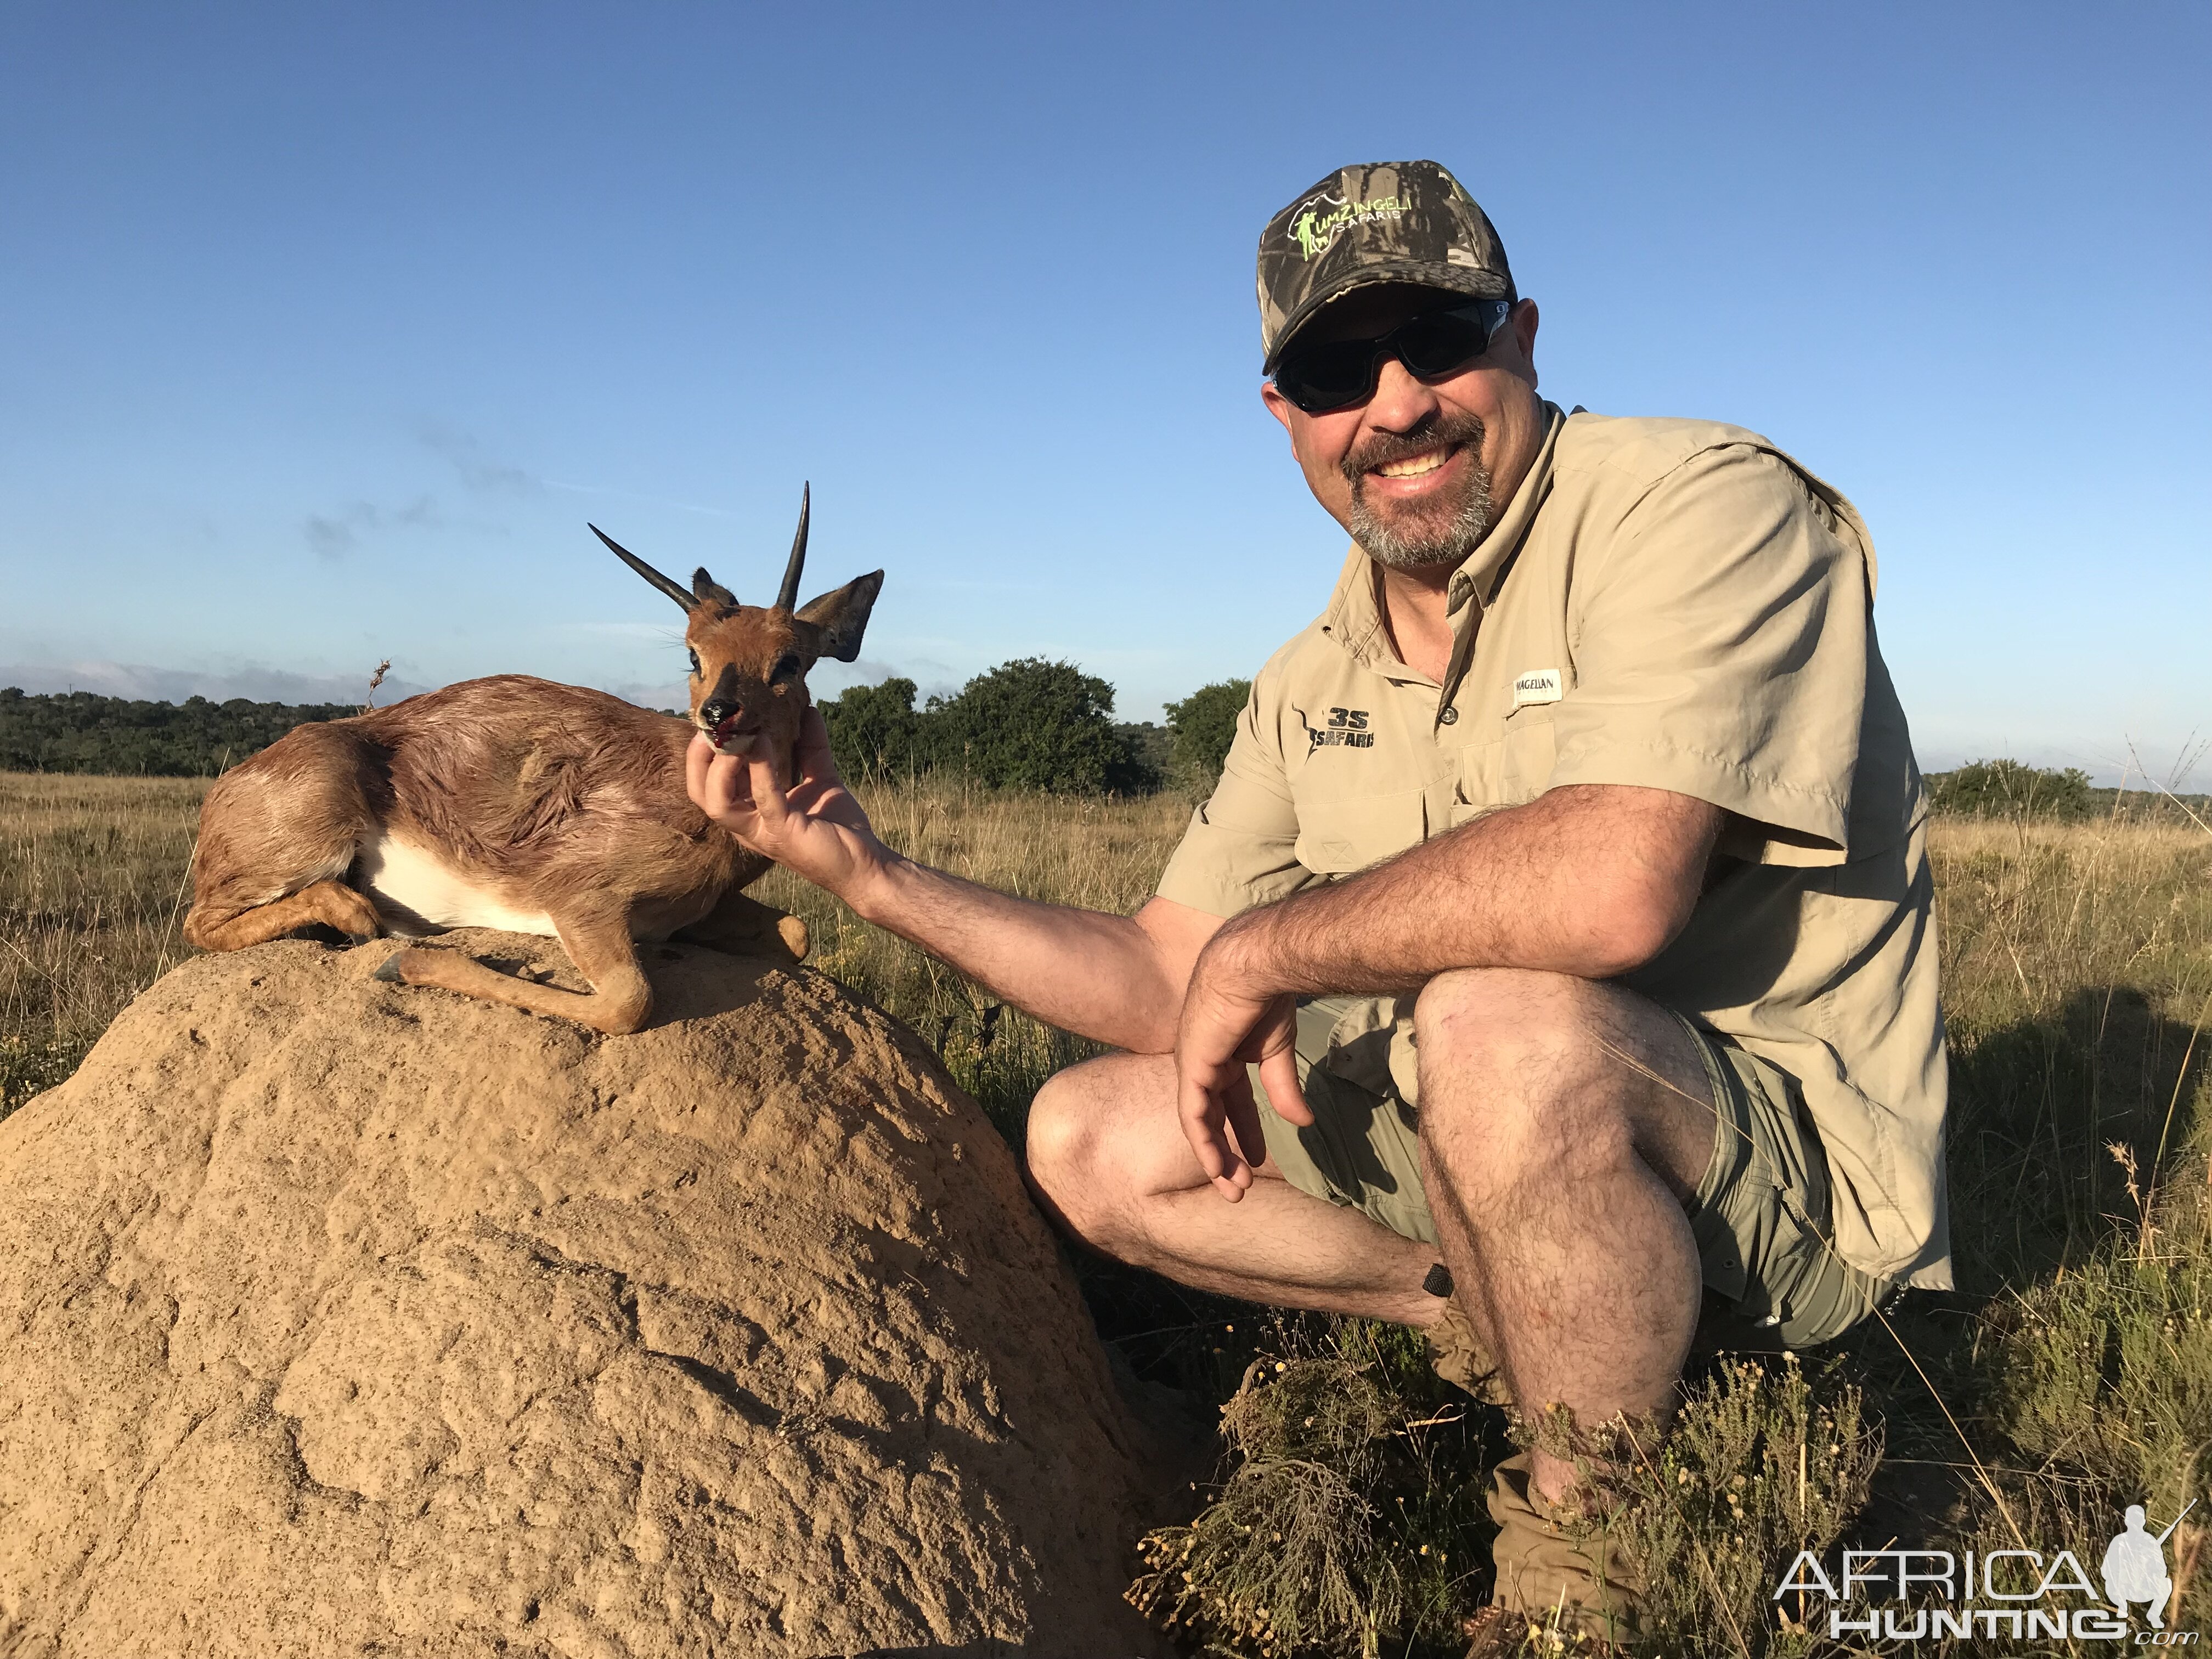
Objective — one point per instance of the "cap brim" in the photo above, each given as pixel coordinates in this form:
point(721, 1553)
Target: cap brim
point(1417, 273)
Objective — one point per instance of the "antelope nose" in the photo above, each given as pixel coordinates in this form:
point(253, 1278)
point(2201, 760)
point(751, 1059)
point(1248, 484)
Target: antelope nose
point(715, 711)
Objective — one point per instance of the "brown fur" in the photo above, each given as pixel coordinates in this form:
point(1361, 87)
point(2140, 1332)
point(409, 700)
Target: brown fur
point(549, 797)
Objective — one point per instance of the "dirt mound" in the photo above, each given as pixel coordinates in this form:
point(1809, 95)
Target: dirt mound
point(346, 1318)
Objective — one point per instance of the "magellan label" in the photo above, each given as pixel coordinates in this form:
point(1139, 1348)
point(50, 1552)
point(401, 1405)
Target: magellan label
point(1537, 685)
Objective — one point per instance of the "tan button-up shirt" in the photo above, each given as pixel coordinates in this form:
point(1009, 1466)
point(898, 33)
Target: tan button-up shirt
point(1676, 605)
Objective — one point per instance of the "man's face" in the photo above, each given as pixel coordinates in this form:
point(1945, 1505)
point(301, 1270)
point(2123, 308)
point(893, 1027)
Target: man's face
point(1419, 472)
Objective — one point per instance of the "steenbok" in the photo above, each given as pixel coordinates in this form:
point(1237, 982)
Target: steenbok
point(518, 804)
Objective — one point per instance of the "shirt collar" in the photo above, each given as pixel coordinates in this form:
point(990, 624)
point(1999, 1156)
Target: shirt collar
point(1354, 616)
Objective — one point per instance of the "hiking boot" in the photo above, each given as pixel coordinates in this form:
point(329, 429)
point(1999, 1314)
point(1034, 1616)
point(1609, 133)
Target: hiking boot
point(1457, 1355)
point(1550, 1579)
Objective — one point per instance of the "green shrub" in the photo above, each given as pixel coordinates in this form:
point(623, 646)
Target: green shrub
point(874, 732)
point(2012, 789)
point(1351, 1511)
point(1204, 724)
point(1032, 724)
point(1762, 1463)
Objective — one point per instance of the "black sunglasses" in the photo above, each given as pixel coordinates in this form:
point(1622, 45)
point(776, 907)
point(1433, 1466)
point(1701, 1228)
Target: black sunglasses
point(1337, 373)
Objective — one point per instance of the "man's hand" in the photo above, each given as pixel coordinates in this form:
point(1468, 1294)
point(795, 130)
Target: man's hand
point(813, 827)
point(1230, 1020)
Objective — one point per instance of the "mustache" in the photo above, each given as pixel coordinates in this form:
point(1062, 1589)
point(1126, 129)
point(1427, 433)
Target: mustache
point(1463, 430)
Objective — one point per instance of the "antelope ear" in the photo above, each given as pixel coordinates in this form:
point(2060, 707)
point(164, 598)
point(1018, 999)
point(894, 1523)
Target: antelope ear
point(842, 617)
point(705, 587)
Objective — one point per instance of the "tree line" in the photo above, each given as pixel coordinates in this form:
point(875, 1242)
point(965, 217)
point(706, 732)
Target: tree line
point(79, 732)
point(1031, 724)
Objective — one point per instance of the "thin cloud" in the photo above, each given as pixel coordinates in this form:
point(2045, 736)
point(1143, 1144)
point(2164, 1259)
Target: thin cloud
point(478, 473)
point(334, 535)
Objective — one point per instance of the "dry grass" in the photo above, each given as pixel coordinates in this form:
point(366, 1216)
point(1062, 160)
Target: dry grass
point(2070, 1375)
point(92, 874)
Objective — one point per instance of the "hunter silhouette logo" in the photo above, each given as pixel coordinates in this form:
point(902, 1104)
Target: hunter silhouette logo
point(2134, 1567)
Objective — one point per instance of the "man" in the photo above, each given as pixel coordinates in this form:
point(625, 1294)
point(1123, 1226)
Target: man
point(1563, 892)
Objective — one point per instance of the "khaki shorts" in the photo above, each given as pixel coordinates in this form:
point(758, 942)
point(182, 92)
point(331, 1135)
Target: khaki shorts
point(1760, 1215)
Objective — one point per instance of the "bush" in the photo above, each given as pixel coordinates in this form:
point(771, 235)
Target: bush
point(1204, 724)
point(1349, 1512)
point(2012, 789)
point(874, 732)
point(1031, 724)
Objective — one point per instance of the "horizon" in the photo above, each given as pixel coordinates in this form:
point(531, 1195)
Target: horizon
point(327, 335)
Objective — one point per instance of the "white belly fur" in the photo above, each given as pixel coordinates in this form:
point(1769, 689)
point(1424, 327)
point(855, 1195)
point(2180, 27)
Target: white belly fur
point(415, 879)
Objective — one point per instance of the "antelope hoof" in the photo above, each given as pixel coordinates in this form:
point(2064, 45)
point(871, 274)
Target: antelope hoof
point(394, 971)
point(792, 931)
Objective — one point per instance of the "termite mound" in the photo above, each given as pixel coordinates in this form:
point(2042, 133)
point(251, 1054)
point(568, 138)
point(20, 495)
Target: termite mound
point(346, 1318)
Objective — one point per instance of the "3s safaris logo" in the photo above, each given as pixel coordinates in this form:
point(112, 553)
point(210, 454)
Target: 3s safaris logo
point(1910, 1595)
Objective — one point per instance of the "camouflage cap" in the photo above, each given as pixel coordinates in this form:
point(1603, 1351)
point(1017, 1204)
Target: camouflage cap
point(1382, 222)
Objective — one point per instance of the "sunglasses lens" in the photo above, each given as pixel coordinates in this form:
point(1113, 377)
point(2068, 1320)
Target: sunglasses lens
point(1437, 345)
point(1322, 377)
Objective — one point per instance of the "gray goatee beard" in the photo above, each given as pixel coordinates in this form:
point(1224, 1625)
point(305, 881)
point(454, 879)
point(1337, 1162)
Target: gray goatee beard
point(1438, 532)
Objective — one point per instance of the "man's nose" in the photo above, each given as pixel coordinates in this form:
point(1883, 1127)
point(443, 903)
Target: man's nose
point(1402, 401)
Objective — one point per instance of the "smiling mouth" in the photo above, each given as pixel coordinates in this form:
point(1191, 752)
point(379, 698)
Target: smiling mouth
point(1417, 465)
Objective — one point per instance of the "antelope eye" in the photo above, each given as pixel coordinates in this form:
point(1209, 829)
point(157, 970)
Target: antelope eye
point(695, 668)
point(786, 667)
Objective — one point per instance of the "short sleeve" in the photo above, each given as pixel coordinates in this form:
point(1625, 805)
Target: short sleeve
point(1238, 851)
point(1720, 643)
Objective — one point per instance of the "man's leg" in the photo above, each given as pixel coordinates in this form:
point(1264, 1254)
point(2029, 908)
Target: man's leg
point(1564, 1125)
point(1107, 1157)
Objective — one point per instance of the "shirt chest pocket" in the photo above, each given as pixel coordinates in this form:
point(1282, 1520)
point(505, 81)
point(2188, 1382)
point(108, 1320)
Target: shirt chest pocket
point(1511, 772)
point(1336, 837)
point(1527, 755)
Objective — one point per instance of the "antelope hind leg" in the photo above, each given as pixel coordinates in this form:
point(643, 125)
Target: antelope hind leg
point(745, 927)
point(331, 903)
point(617, 1004)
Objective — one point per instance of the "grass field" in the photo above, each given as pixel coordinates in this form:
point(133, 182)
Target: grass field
point(2070, 1376)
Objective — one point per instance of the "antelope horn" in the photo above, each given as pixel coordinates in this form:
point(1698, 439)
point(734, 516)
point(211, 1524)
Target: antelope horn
point(787, 598)
point(675, 591)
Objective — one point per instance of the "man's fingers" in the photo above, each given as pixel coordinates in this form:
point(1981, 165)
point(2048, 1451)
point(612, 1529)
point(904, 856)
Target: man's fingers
point(1244, 1121)
point(712, 779)
point(1279, 1076)
point(815, 764)
point(769, 784)
point(698, 758)
point(1202, 1124)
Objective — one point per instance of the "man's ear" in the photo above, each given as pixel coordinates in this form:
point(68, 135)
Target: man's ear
point(1523, 322)
point(842, 617)
point(1278, 405)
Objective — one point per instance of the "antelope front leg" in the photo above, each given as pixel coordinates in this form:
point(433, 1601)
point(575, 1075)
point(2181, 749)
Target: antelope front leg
point(745, 927)
point(599, 946)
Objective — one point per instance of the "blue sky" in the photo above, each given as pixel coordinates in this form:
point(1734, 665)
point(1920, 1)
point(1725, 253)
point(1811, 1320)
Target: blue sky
point(324, 331)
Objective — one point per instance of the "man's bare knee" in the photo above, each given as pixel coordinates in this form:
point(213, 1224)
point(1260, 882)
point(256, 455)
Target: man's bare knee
point(1063, 1139)
point(1103, 1139)
point(1546, 1076)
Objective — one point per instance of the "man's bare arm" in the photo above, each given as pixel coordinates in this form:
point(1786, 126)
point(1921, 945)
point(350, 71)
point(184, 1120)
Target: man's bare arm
point(1117, 979)
point(1591, 881)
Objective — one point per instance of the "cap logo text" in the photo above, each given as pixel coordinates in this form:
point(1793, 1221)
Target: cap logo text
point(1316, 229)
